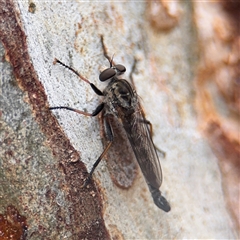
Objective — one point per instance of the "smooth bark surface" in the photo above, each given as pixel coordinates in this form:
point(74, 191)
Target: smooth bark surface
point(44, 155)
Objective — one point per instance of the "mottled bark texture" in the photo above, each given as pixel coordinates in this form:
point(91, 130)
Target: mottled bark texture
point(187, 77)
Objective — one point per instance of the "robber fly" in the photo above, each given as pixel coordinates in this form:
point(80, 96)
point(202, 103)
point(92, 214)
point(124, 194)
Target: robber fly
point(120, 101)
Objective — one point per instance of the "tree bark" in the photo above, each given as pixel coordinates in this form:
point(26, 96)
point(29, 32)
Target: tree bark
point(45, 156)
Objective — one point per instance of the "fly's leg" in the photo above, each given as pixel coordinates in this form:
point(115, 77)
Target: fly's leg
point(144, 120)
point(109, 134)
point(163, 154)
point(132, 71)
point(95, 112)
point(158, 199)
point(105, 53)
point(108, 130)
point(94, 88)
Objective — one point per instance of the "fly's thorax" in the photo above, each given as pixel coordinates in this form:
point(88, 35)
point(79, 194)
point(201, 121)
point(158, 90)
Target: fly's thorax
point(120, 98)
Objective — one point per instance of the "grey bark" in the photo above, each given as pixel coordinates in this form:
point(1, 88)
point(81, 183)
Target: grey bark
point(43, 156)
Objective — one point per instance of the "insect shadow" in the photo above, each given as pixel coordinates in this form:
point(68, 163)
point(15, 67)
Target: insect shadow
point(121, 104)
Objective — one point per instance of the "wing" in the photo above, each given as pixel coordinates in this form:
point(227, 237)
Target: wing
point(122, 102)
point(141, 141)
point(138, 133)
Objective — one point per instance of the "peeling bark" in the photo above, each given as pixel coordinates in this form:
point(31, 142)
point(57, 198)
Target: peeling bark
point(55, 205)
point(45, 157)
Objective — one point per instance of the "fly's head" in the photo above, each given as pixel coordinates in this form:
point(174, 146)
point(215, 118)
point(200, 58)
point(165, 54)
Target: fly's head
point(111, 72)
point(119, 94)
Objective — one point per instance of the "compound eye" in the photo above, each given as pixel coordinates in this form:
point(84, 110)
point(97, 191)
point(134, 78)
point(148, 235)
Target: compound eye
point(120, 69)
point(107, 74)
